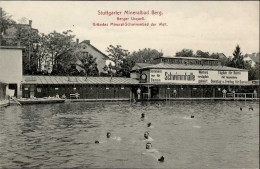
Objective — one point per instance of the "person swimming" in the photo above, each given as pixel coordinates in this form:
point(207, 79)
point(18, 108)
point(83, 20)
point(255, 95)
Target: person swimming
point(192, 116)
point(148, 145)
point(146, 135)
point(251, 108)
point(142, 115)
point(149, 124)
point(241, 108)
point(96, 142)
point(161, 159)
point(108, 134)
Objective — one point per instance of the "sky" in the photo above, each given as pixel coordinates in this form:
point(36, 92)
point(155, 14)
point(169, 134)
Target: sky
point(199, 25)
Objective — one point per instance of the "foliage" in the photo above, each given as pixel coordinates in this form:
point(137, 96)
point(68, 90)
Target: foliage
point(185, 53)
point(202, 54)
point(253, 72)
point(60, 44)
point(238, 59)
point(117, 54)
point(5, 22)
point(87, 63)
point(145, 55)
point(126, 67)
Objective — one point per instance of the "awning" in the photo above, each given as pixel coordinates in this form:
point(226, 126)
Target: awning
point(66, 80)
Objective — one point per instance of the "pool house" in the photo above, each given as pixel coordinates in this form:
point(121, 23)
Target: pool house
point(86, 87)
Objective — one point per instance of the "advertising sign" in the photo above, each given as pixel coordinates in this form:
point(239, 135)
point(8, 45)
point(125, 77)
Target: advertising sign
point(199, 76)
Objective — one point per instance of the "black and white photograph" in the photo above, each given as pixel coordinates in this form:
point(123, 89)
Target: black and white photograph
point(129, 84)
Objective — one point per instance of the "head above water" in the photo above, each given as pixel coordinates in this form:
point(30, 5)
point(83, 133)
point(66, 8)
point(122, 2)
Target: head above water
point(161, 159)
point(148, 145)
point(108, 134)
point(96, 141)
point(142, 116)
point(149, 124)
point(146, 135)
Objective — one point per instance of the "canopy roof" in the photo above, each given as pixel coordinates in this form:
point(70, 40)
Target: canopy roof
point(191, 67)
point(62, 80)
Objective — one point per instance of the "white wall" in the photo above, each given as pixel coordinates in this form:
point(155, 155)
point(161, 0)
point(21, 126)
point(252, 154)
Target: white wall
point(11, 66)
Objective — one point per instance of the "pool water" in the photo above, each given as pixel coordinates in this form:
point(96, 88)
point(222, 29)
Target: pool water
point(63, 135)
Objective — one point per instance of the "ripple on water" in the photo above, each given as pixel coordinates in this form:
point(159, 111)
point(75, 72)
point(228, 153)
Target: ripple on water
point(63, 135)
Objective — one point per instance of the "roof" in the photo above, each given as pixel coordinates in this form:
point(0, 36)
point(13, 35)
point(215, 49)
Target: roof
point(87, 42)
point(222, 55)
point(77, 80)
point(2, 82)
point(141, 65)
point(255, 59)
point(190, 67)
point(191, 58)
point(11, 47)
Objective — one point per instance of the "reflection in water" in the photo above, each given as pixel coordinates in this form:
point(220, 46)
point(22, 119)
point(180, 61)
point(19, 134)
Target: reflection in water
point(63, 135)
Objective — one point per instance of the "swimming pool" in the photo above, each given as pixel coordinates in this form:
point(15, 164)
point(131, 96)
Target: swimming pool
point(63, 135)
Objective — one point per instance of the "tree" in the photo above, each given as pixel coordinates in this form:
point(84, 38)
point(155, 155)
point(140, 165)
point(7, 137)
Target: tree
point(87, 63)
point(126, 67)
point(185, 53)
point(117, 54)
point(5, 22)
point(202, 54)
point(40, 52)
point(66, 66)
point(26, 37)
point(237, 60)
point(145, 55)
point(59, 45)
point(253, 72)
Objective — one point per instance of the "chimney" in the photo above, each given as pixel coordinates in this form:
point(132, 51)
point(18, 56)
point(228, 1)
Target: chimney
point(30, 23)
point(88, 41)
point(77, 41)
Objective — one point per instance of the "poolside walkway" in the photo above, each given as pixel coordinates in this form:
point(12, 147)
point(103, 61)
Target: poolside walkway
point(97, 100)
point(211, 98)
point(168, 99)
point(4, 103)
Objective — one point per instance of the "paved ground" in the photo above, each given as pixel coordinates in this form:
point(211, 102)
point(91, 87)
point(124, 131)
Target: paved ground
point(4, 103)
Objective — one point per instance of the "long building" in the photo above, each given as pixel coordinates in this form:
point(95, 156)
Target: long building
point(184, 77)
point(166, 78)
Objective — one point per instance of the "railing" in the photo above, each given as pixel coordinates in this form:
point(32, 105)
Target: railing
point(76, 96)
point(244, 95)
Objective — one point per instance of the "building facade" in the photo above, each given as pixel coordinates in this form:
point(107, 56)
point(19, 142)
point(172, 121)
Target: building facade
point(87, 88)
point(11, 68)
point(190, 78)
point(101, 58)
point(252, 59)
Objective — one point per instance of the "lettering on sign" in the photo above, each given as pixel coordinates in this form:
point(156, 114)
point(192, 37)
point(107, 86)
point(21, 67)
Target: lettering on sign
point(199, 76)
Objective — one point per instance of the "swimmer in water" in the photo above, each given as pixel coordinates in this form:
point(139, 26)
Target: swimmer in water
point(96, 142)
point(161, 159)
point(146, 135)
point(241, 108)
point(108, 134)
point(251, 108)
point(191, 116)
point(142, 116)
point(149, 124)
point(148, 145)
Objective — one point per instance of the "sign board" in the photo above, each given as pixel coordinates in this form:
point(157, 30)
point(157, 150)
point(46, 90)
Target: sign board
point(198, 76)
